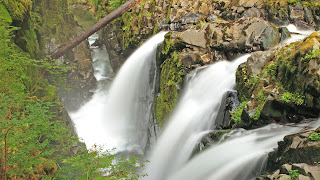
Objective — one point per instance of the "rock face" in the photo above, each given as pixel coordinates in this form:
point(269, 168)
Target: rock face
point(54, 32)
point(282, 84)
point(298, 148)
point(297, 157)
point(301, 171)
point(148, 17)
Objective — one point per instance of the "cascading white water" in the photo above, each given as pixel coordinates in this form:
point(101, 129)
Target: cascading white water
point(296, 34)
point(194, 114)
point(118, 117)
point(88, 118)
point(128, 107)
point(240, 157)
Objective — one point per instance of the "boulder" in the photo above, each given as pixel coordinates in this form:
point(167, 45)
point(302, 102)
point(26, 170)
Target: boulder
point(283, 83)
point(194, 37)
point(303, 172)
point(229, 104)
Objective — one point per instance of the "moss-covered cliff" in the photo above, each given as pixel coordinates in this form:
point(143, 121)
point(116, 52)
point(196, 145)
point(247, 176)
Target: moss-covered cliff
point(283, 83)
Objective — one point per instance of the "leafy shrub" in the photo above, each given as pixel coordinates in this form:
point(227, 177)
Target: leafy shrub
point(293, 174)
point(314, 136)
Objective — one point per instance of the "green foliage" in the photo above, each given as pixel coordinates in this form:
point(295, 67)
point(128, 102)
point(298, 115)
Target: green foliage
point(92, 164)
point(293, 98)
point(34, 142)
point(257, 114)
point(293, 174)
point(26, 111)
point(236, 115)
point(114, 4)
point(314, 136)
point(5, 17)
point(18, 9)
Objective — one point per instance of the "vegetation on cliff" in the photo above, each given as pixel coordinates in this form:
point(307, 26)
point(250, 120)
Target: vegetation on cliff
point(36, 141)
point(287, 83)
point(170, 80)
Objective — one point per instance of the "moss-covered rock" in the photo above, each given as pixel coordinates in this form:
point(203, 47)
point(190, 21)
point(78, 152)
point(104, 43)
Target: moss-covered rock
point(5, 17)
point(286, 85)
point(170, 80)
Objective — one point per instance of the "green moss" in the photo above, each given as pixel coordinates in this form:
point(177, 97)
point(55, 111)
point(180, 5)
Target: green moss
point(18, 9)
point(245, 82)
point(257, 114)
point(5, 17)
point(293, 98)
point(236, 115)
point(170, 79)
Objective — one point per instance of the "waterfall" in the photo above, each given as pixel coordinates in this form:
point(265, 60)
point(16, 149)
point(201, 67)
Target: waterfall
point(130, 97)
point(242, 156)
point(194, 115)
point(88, 118)
point(118, 117)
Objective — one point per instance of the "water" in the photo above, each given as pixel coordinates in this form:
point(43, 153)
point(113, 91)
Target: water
point(241, 157)
point(128, 108)
point(296, 34)
point(118, 117)
point(88, 118)
point(195, 113)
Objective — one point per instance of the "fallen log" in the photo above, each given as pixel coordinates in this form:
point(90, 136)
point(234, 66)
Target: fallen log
point(96, 27)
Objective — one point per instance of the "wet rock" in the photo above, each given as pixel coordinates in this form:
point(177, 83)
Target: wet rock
point(229, 103)
point(304, 171)
point(285, 169)
point(295, 149)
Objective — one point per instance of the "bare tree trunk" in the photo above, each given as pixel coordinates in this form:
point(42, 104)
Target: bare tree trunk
point(99, 25)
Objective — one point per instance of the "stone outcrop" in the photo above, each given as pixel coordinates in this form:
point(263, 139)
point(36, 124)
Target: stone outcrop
point(150, 16)
point(297, 148)
point(282, 84)
point(300, 171)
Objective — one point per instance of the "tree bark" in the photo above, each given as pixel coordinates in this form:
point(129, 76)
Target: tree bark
point(99, 25)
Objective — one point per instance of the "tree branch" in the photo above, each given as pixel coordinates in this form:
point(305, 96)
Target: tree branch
point(99, 25)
